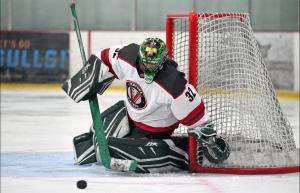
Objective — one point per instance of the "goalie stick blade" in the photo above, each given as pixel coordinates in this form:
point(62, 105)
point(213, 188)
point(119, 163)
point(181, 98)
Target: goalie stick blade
point(123, 165)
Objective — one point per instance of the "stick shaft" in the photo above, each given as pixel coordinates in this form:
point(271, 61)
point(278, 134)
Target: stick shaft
point(107, 161)
point(93, 103)
point(78, 34)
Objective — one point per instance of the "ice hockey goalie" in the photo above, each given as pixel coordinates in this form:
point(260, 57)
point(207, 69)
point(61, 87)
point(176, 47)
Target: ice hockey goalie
point(159, 99)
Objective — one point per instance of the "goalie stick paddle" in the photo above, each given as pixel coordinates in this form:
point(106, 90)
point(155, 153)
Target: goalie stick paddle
point(107, 160)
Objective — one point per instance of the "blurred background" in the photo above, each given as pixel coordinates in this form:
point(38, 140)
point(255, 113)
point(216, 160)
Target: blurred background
point(275, 15)
point(39, 51)
point(37, 39)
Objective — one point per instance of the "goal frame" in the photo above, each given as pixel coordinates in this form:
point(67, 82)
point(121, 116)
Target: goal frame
point(193, 18)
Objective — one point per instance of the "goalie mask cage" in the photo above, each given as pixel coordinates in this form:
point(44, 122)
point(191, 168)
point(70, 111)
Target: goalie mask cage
point(220, 57)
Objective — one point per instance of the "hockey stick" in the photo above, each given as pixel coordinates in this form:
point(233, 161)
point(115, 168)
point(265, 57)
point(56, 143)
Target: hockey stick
point(107, 160)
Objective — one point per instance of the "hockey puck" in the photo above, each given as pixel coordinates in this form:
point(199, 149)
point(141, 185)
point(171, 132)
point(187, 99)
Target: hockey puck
point(81, 184)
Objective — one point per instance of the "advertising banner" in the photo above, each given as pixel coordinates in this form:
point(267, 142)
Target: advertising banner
point(34, 57)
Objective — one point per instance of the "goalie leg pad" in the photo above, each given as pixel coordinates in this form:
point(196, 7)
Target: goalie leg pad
point(153, 156)
point(94, 77)
point(115, 123)
point(84, 149)
point(115, 120)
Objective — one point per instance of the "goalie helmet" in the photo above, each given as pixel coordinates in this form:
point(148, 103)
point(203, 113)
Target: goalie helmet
point(153, 53)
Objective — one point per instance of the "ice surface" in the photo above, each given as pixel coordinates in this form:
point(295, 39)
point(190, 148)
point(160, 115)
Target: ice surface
point(37, 128)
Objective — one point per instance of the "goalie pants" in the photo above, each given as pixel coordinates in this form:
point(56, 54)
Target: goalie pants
point(153, 155)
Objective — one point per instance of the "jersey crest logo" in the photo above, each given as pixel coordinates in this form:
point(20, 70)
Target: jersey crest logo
point(135, 95)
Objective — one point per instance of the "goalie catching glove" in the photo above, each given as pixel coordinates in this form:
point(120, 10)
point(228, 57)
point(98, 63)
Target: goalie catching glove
point(93, 78)
point(215, 148)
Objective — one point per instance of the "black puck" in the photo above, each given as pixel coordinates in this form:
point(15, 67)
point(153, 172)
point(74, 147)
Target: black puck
point(81, 184)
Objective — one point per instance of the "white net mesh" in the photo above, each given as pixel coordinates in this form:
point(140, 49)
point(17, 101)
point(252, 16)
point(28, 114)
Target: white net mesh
point(238, 93)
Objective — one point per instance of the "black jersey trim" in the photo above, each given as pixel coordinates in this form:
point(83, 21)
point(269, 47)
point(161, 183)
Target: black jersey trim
point(130, 54)
point(171, 80)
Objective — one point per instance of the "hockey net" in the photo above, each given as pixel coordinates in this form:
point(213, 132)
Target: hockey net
point(220, 57)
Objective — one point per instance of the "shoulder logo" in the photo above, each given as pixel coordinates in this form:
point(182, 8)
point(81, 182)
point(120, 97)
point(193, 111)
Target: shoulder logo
point(116, 52)
point(135, 95)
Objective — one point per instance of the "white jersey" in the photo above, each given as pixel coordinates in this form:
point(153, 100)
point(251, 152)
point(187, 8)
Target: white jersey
point(161, 105)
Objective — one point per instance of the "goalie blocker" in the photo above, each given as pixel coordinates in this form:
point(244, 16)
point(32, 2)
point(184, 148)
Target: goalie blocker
point(94, 77)
point(152, 155)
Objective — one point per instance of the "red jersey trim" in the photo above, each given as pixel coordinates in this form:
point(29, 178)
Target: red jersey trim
point(194, 116)
point(154, 129)
point(105, 59)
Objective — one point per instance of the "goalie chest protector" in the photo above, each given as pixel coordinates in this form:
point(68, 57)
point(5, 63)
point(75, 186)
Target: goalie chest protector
point(161, 105)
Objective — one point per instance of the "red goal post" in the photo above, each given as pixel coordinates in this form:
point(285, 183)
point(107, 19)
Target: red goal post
point(223, 46)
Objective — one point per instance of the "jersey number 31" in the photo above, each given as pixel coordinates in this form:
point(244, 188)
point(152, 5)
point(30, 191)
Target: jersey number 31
point(190, 94)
